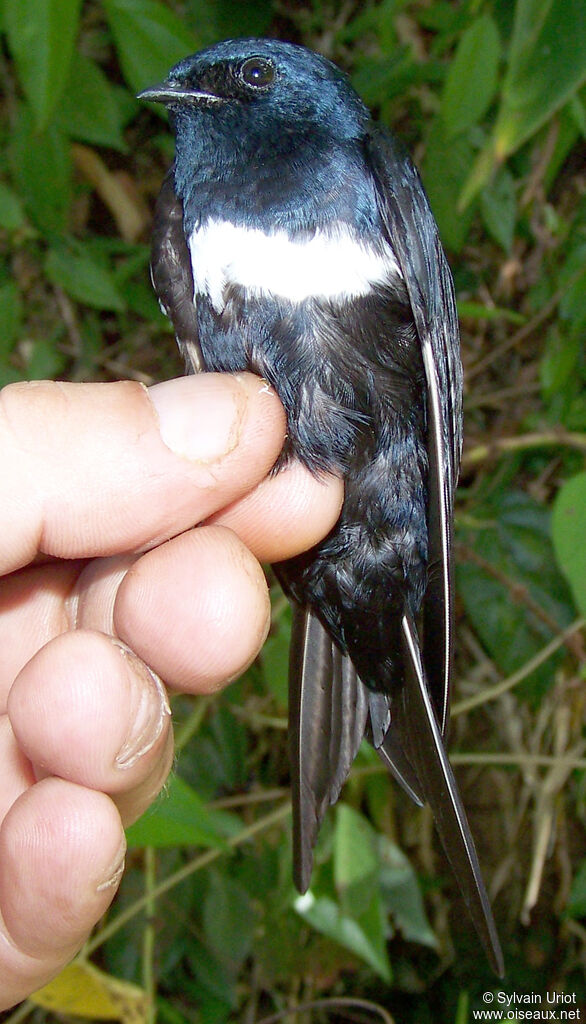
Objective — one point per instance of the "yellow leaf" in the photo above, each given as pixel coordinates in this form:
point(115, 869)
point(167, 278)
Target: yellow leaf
point(83, 990)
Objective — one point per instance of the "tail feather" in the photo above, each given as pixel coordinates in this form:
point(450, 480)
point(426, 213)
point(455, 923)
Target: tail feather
point(422, 740)
point(328, 706)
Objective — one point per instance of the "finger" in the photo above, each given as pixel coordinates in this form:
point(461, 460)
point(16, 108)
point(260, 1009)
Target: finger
point(93, 469)
point(86, 709)
point(285, 514)
point(196, 609)
point(34, 607)
point(17, 774)
point(61, 857)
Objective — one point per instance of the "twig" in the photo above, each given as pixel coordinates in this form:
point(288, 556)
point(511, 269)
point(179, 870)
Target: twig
point(518, 591)
point(546, 439)
point(246, 799)
point(519, 336)
point(171, 881)
point(130, 218)
point(336, 1003)
point(520, 759)
point(462, 706)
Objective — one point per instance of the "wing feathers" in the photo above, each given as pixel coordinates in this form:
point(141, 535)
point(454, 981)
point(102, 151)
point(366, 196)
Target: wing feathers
point(172, 275)
point(412, 232)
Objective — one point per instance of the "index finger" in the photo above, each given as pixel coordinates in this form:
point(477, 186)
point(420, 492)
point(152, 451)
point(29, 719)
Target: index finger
point(95, 469)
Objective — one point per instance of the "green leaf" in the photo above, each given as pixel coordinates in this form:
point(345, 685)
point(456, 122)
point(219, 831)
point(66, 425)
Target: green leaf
point(498, 206)
point(547, 64)
point(88, 109)
point(472, 78)
point(11, 211)
point(402, 896)
point(275, 663)
point(577, 900)
point(365, 939)
point(180, 818)
point(476, 311)
point(445, 167)
point(546, 67)
point(229, 18)
point(72, 268)
point(560, 361)
point(355, 859)
point(568, 528)
point(44, 360)
point(229, 920)
point(41, 36)
point(215, 984)
point(10, 318)
point(47, 195)
point(149, 39)
point(513, 541)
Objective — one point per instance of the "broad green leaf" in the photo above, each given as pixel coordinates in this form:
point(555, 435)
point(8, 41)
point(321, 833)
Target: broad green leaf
point(472, 77)
point(560, 360)
point(275, 663)
point(546, 66)
point(41, 164)
point(10, 317)
point(402, 896)
point(498, 206)
point(180, 818)
point(215, 985)
point(72, 268)
point(226, 19)
point(88, 109)
point(547, 63)
point(577, 901)
point(45, 360)
point(476, 311)
point(573, 281)
point(368, 943)
point(355, 859)
point(568, 528)
point(229, 920)
point(514, 544)
point(11, 211)
point(41, 35)
point(445, 167)
point(149, 38)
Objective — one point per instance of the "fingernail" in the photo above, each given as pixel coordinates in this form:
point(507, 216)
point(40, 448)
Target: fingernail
point(200, 417)
point(148, 712)
point(114, 874)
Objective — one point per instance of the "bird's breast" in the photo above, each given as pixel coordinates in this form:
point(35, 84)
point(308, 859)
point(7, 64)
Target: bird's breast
point(334, 265)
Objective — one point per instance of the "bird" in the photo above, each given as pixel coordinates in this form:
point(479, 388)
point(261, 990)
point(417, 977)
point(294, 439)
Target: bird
point(292, 237)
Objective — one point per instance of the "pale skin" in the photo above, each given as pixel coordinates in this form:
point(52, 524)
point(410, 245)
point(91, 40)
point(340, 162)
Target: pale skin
point(108, 587)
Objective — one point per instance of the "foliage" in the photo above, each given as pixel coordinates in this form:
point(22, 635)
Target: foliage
point(490, 96)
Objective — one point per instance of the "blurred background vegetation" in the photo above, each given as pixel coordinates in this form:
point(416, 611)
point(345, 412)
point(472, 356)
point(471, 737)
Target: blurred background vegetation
point(489, 96)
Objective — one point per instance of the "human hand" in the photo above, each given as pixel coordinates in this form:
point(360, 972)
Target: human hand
point(92, 475)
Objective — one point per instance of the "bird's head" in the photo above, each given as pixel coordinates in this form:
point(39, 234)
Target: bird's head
point(261, 88)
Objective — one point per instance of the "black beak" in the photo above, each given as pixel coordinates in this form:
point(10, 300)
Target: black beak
point(172, 92)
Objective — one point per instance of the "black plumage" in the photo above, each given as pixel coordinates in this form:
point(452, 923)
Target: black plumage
point(279, 168)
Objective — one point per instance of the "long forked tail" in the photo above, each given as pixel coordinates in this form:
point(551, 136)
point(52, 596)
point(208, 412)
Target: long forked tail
point(423, 745)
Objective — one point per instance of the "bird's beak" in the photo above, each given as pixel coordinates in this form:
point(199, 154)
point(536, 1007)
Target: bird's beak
point(171, 92)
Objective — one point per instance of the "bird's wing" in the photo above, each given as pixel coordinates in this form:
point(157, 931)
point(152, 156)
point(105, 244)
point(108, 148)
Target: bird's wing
point(328, 707)
point(420, 706)
point(171, 273)
point(413, 236)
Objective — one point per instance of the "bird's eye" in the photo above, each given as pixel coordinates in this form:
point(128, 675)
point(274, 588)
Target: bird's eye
point(258, 72)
